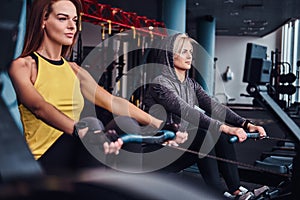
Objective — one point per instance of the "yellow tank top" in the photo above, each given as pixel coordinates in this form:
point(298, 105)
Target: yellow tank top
point(59, 86)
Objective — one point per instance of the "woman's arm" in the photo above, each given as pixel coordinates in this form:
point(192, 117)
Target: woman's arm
point(165, 94)
point(119, 106)
point(222, 112)
point(215, 109)
point(23, 73)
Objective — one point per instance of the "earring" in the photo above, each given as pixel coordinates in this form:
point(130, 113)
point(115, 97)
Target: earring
point(43, 26)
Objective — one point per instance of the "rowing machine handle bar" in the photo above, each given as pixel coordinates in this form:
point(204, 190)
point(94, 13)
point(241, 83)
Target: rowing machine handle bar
point(234, 139)
point(157, 139)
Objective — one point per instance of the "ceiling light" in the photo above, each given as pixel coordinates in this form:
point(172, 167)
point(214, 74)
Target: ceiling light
point(234, 13)
point(247, 21)
point(251, 22)
point(228, 1)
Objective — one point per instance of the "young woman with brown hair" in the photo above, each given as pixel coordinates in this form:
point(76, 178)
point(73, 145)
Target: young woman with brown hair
point(50, 89)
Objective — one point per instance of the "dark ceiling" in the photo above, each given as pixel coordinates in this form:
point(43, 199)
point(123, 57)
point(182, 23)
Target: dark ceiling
point(243, 17)
point(255, 18)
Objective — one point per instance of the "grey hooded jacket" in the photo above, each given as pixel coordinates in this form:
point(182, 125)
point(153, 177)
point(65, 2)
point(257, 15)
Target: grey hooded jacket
point(178, 102)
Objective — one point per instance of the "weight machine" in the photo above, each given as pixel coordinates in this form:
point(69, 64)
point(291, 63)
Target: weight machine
point(267, 81)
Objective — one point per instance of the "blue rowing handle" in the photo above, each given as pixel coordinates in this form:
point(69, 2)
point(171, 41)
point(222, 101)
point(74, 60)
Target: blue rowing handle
point(165, 135)
point(234, 139)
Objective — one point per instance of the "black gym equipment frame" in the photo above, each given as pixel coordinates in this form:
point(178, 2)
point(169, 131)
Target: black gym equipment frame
point(16, 159)
point(262, 92)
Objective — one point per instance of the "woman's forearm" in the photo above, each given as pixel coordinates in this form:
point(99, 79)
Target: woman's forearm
point(117, 105)
point(123, 107)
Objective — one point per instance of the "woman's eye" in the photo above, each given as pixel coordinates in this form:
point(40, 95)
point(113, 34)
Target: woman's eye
point(62, 18)
point(184, 51)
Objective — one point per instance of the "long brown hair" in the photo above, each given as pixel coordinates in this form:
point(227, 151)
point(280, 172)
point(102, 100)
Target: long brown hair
point(41, 10)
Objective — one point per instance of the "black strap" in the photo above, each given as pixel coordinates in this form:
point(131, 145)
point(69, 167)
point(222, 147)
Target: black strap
point(246, 123)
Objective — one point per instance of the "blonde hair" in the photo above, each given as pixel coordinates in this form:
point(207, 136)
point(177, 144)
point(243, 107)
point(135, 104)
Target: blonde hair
point(179, 42)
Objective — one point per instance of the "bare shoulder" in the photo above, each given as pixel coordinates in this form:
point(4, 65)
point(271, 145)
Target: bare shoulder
point(78, 70)
point(22, 67)
point(74, 65)
point(25, 62)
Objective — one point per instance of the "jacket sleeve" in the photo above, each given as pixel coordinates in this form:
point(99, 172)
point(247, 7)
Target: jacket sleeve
point(215, 109)
point(165, 94)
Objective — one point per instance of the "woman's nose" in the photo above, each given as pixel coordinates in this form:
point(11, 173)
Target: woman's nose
point(71, 25)
point(189, 55)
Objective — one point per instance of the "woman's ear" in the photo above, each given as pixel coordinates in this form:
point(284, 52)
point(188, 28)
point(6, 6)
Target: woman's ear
point(44, 21)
